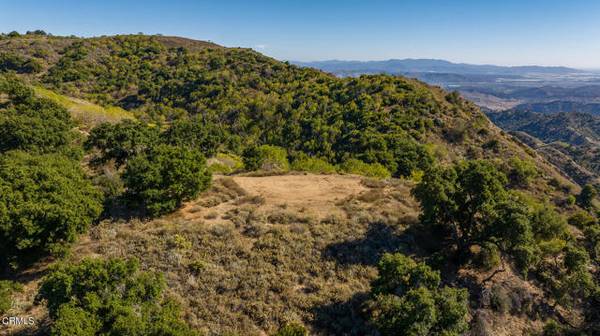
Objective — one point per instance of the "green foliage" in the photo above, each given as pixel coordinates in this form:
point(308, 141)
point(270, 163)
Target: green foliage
point(582, 219)
point(488, 257)
point(19, 64)
point(313, 165)
point(409, 156)
point(407, 300)
point(461, 199)
point(45, 201)
point(164, 176)
point(587, 195)
point(354, 166)
point(225, 163)
point(122, 141)
point(196, 134)
point(521, 172)
point(236, 97)
point(571, 200)
point(292, 329)
point(31, 123)
point(266, 157)
point(109, 297)
point(7, 289)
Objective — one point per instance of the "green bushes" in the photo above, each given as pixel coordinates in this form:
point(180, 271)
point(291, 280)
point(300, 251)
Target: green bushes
point(266, 157)
point(7, 289)
point(313, 165)
point(164, 176)
point(582, 220)
point(236, 97)
point(122, 141)
point(225, 163)
point(45, 201)
point(30, 123)
point(354, 166)
point(586, 197)
point(195, 134)
point(292, 329)
point(19, 64)
point(162, 169)
point(408, 300)
point(521, 172)
point(109, 297)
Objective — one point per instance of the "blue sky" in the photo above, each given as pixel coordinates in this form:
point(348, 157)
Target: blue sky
point(509, 32)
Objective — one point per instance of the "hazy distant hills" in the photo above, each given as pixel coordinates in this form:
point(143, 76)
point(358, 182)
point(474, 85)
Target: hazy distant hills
point(402, 66)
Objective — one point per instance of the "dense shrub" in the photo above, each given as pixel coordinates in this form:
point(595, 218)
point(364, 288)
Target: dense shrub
point(31, 123)
point(313, 165)
point(410, 156)
point(195, 134)
point(354, 166)
point(582, 219)
point(109, 297)
point(164, 176)
point(19, 64)
point(461, 199)
point(587, 195)
point(408, 300)
point(521, 172)
point(122, 141)
point(45, 201)
point(266, 157)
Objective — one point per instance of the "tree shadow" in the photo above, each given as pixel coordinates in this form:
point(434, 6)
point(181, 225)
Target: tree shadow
point(122, 208)
point(379, 239)
point(343, 317)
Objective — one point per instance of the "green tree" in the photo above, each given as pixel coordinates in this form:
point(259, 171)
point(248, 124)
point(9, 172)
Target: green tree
point(408, 300)
point(199, 135)
point(587, 195)
point(121, 141)
point(164, 176)
point(45, 201)
point(31, 123)
point(109, 297)
point(461, 199)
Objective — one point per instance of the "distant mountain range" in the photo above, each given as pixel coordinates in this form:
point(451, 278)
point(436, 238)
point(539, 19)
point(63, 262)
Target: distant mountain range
point(402, 66)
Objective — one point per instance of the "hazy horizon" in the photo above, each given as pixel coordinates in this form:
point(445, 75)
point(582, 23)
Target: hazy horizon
point(511, 33)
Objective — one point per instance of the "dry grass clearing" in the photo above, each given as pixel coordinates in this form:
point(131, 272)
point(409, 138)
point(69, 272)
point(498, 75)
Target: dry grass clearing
point(253, 253)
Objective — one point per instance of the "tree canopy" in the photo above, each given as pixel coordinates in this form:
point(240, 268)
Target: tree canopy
point(109, 297)
point(45, 201)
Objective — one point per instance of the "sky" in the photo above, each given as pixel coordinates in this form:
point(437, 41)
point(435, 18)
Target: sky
point(508, 32)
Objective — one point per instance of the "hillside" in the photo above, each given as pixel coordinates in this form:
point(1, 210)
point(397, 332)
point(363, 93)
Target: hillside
point(575, 135)
point(234, 181)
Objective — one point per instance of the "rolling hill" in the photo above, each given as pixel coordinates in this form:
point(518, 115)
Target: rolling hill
point(290, 230)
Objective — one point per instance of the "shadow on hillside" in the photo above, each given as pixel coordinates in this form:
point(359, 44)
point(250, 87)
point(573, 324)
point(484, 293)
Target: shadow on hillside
point(379, 239)
point(122, 208)
point(343, 317)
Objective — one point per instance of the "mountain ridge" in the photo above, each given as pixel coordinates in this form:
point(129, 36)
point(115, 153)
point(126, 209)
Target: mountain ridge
point(397, 66)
